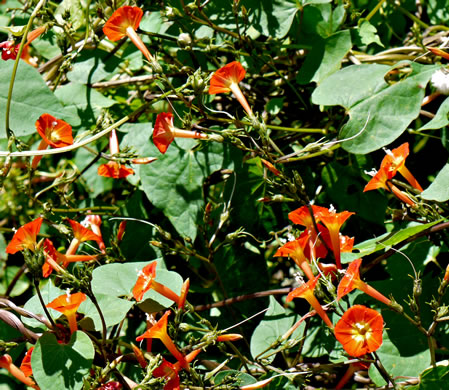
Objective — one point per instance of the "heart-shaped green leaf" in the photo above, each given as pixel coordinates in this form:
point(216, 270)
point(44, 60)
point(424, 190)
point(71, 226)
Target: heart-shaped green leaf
point(60, 366)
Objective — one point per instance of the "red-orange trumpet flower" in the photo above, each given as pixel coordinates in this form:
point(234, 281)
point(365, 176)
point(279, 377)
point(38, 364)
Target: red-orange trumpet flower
point(159, 331)
point(295, 249)
point(68, 305)
point(306, 291)
point(382, 179)
point(25, 237)
point(124, 22)
point(146, 281)
point(80, 234)
point(352, 280)
point(359, 330)
point(25, 367)
point(114, 169)
point(6, 362)
point(227, 79)
point(394, 161)
point(165, 132)
point(333, 221)
point(54, 132)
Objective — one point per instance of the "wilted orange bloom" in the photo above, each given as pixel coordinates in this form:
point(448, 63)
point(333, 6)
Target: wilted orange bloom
point(68, 305)
point(359, 330)
point(146, 281)
point(333, 221)
point(270, 167)
point(121, 231)
point(25, 237)
point(139, 356)
point(394, 161)
point(438, 52)
point(353, 368)
point(165, 132)
point(54, 132)
point(229, 337)
point(352, 280)
point(295, 250)
point(113, 169)
point(124, 22)
point(446, 274)
point(183, 295)
point(53, 259)
point(25, 367)
point(159, 331)
point(306, 291)
point(6, 362)
point(227, 79)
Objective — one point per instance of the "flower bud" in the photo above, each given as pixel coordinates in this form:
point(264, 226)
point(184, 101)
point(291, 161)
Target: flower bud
point(184, 40)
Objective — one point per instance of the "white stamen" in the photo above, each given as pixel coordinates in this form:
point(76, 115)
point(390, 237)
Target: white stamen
point(290, 237)
point(389, 152)
point(332, 209)
point(67, 292)
point(371, 173)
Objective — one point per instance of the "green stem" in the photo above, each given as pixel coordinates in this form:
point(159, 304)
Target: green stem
point(41, 300)
point(413, 17)
point(16, 65)
point(374, 10)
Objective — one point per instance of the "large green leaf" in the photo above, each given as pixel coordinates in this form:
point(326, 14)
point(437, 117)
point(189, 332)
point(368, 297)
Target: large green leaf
point(30, 99)
point(276, 322)
point(85, 103)
point(325, 57)
point(62, 366)
point(396, 363)
point(174, 182)
point(439, 189)
point(91, 67)
point(113, 309)
point(383, 111)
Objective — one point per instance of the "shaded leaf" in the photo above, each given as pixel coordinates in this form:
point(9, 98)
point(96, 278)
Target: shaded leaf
point(60, 366)
point(435, 378)
point(275, 323)
point(85, 103)
point(439, 189)
point(174, 182)
point(440, 119)
point(325, 57)
point(235, 377)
